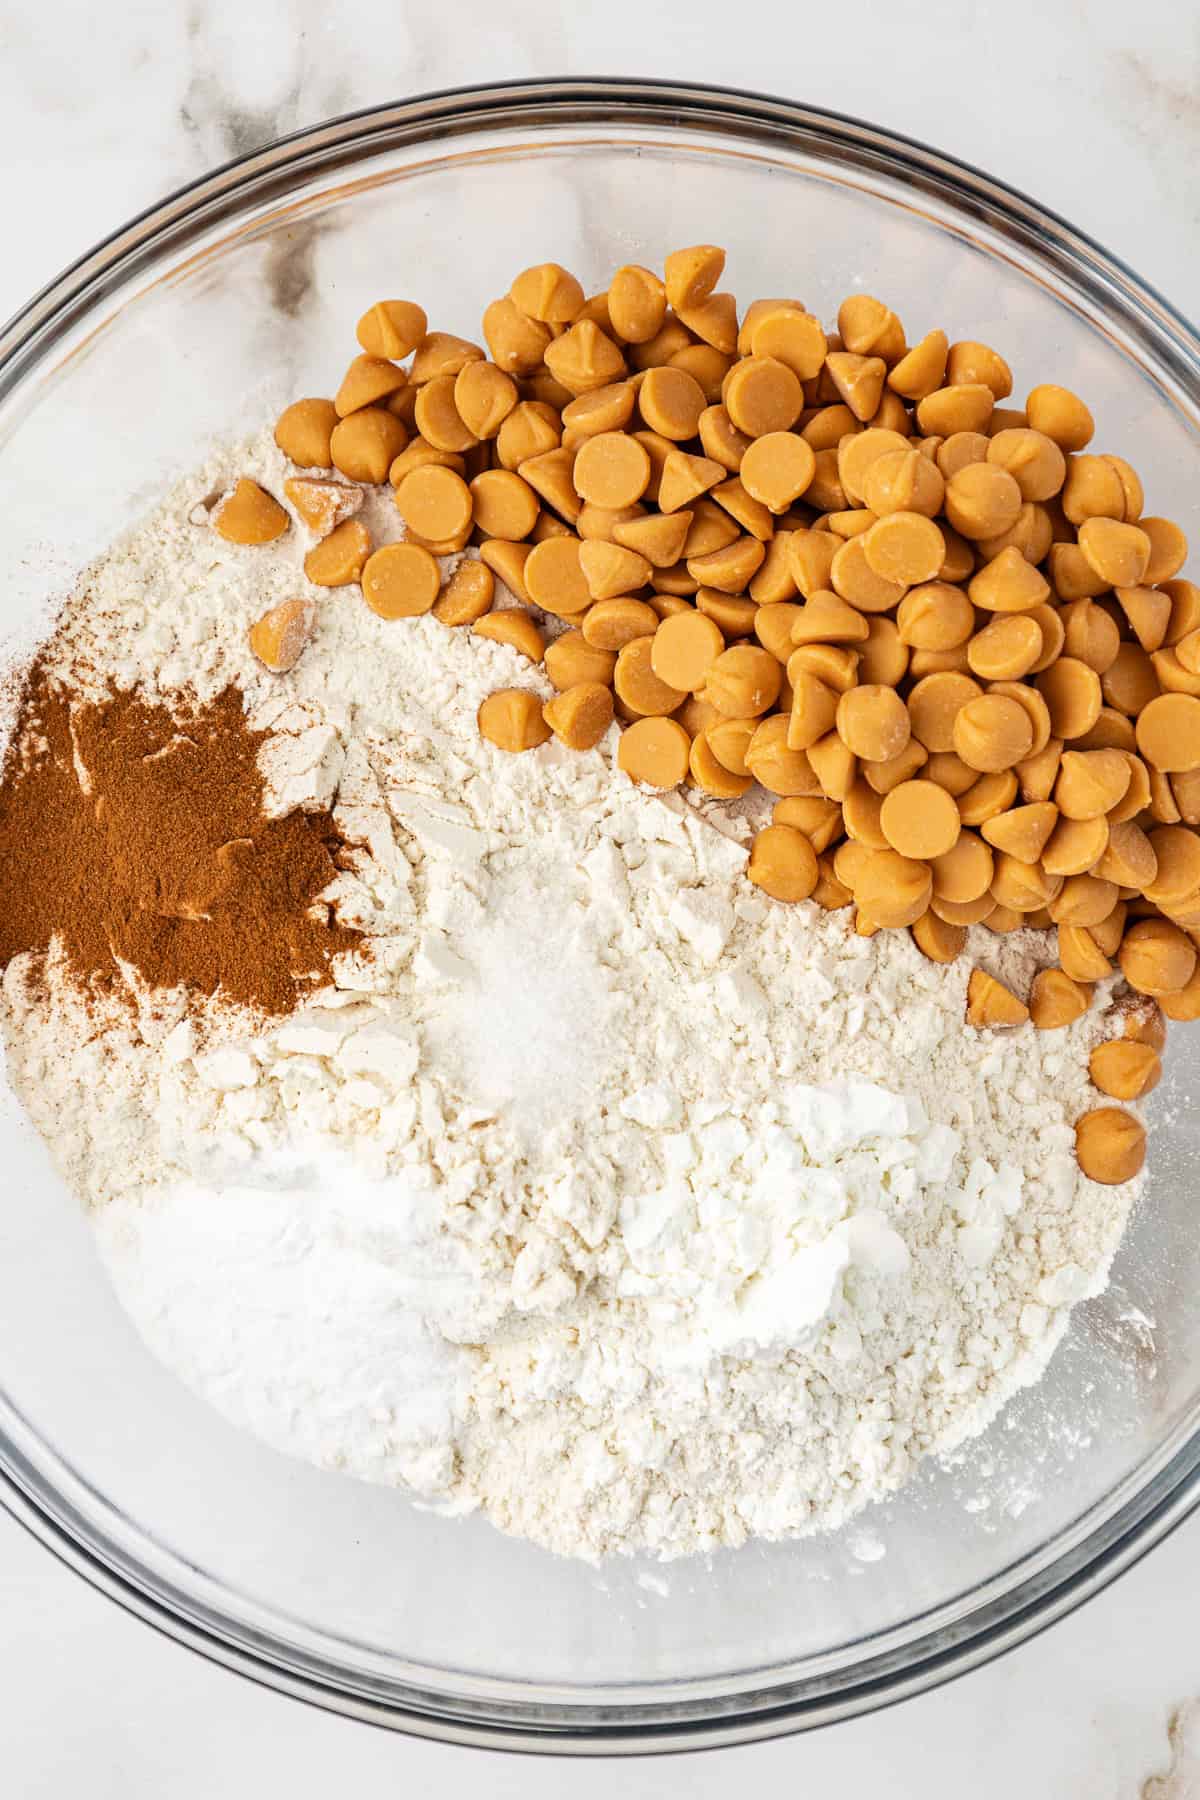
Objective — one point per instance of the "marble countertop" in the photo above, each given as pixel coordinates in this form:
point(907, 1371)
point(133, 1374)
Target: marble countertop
point(99, 118)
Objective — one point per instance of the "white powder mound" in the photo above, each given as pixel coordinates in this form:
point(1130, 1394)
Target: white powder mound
point(601, 1192)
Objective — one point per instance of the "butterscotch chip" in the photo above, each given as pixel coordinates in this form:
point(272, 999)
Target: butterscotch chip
point(938, 662)
point(530, 430)
point(1007, 648)
point(969, 361)
point(883, 658)
point(873, 723)
point(920, 819)
point(603, 409)
point(934, 704)
point(1177, 877)
point(684, 649)
point(547, 292)
point(762, 395)
point(400, 581)
point(735, 618)
point(1032, 458)
point(922, 369)
point(935, 616)
point(884, 776)
point(1090, 634)
point(417, 454)
point(611, 469)
point(611, 624)
point(813, 711)
point(612, 571)
point(987, 796)
point(1008, 584)
point(1073, 695)
point(861, 811)
point(338, 559)
point(776, 469)
point(905, 548)
point(1080, 955)
point(322, 504)
point(963, 873)
point(1156, 957)
point(1093, 490)
point(435, 503)
point(750, 514)
point(869, 328)
point(774, 764)
point(655, 752)
point(637, 303)
point(965, 406)
point(990, 1003)
point(512, 719)
point(729, 740)
point(1129, 684)
point(369, 378)
point(392, 328)
point(638, 687)
point(1171, 675)
point(826, 618)
point(583, 358)
point(438, 418)
point(811, 555)
point(1168, 549)
point(893, 890)
point(729, 569)
point(1076, 847)
point(852, 576)
point(958, 451)
point(711, 529)
point(902, 481)
point(1118, 553)
point(1149, 613)
point(517, 342)
point(303, 431)
point(554, 577)
point(830, 893)
point(1083, 900)
point(949, 772)
point(711, 776)
point(441, 354)
point(1168, 732)
point(744, 682)
point(365, 445)
point(579, 716)
point(1109, 932)
point(1137, 795)
point(484, 397)
point(467, 596)
point(832, 664)
point(992, 733)
point(818, 818)
point(279, 636)
point(858, 380)
point(849, 861)
point(685, 478)
point(507, 562)
point(671, 402)
point(773, 623)
point(783, 863)
point(514, 627)
point(721, 440)
point(1055, 1000)
point(834, 767)
point(505, 506)
point(1023, 831)
point(1061, 415)
point(1110, 1145)
point(1091, 782)
point(692, 274)
point(1125, 1069)
point(789, 336)
point(982, 498)
point(938, 939)
point(1184, 1005)
point(571, 661)
point(859, 451)
point(247, 514)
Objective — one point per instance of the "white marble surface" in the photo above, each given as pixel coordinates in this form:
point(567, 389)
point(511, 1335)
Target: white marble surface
point(100, 113)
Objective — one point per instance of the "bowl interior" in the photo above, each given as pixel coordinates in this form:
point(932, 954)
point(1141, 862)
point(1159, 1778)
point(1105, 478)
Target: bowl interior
point(242, 306)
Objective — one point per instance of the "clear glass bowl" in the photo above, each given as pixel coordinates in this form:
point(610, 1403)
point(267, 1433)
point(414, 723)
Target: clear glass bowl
point(199, 318)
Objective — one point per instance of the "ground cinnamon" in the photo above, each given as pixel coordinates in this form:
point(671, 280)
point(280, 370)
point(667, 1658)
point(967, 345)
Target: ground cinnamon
point(139, 838)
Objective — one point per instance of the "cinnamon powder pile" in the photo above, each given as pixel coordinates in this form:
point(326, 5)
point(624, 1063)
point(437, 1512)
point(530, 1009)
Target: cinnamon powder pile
point(140, 838)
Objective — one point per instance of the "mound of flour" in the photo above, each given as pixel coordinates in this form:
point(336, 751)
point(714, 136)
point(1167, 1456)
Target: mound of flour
point(602, 1192)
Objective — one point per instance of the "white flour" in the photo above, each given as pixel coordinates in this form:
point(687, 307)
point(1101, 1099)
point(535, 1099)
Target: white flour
point(603, 1193)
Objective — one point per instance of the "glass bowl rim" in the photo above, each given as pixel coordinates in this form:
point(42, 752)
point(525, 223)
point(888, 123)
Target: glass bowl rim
point(1145, 1517)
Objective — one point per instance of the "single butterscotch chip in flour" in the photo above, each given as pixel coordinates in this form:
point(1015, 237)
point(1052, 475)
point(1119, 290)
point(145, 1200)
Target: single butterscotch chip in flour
point(400, 581)
point(654, 752)
point(467, 595)
point(512, 719)
point(1110, 1145)
point(990, 1003)
point(580, 715)
point(783, 863)
point(515, 628)
point(247, 514)
point(279, 636)
point(338, 560)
